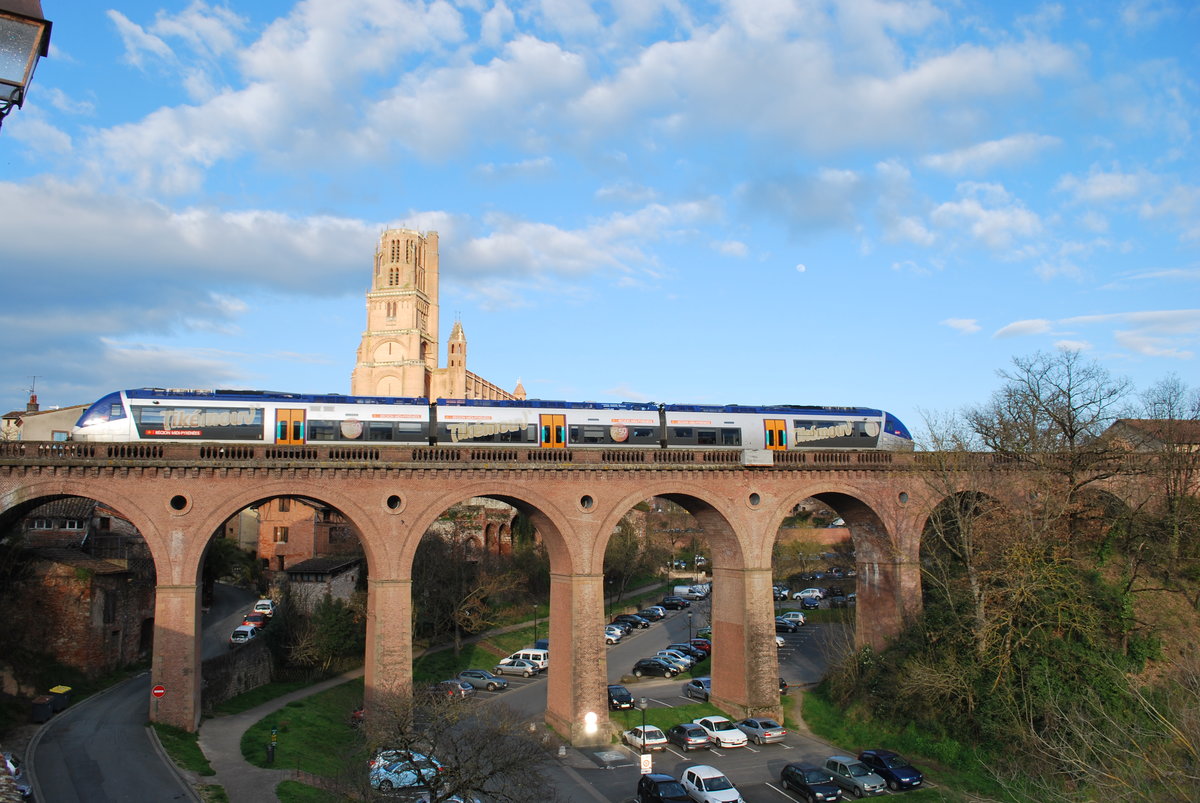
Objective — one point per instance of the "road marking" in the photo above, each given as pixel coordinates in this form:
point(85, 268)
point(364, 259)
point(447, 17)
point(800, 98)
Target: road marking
point(783, 792)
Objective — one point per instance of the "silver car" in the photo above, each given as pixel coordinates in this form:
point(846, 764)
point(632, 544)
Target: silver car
point(854, 776)
point(517, 666)
point(482, 679)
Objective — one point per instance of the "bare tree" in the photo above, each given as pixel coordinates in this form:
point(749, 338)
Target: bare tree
point(483, 750)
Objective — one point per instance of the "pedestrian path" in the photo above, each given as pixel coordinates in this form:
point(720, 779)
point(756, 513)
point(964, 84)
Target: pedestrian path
point(221, 741)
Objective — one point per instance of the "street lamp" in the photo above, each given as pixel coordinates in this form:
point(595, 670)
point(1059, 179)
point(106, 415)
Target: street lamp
point(642, 703)
point(535, 623)
point(689, 627)
point(24, 38)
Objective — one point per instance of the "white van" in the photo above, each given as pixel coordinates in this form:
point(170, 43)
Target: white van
point(539, 658)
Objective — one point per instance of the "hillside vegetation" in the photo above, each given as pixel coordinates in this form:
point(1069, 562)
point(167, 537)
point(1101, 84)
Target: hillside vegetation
point(1057, 647)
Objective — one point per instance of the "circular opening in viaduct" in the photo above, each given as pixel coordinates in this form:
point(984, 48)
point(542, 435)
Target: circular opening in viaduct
point(754, 500)
point(394, 503)
point(586, 502)
point(903, 497)
point(179, 502)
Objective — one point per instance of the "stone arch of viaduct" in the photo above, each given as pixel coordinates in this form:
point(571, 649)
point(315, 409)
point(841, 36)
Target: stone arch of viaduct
point(179, 496)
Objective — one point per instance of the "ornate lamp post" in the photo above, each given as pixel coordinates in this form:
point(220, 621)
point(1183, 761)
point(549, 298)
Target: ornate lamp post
point(689, 627)
point(24, 38)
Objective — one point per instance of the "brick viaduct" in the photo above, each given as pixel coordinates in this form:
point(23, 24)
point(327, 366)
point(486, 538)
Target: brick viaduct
point(178, 495)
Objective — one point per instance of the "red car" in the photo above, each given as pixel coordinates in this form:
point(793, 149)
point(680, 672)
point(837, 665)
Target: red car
point(253, 619)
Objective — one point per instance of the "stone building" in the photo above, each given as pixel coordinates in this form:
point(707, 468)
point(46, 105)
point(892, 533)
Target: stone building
point(36, 424)
point(291, 530)
point(310, 580)
point(398, 354)
point(90, 581)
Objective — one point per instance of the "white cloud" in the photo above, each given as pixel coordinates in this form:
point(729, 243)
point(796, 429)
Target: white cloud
point(966, 326)
point(989, 214)
point(1017, 149)
point(732, 248)
point(1034, 326)
point(801, 268)
point(1101, 186)
point(1073, 345)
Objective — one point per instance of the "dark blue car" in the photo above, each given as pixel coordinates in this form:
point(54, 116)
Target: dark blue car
point(812, 783)
point(893, 768)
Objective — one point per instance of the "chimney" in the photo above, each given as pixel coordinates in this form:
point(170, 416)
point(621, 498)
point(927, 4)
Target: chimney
point(32, 406)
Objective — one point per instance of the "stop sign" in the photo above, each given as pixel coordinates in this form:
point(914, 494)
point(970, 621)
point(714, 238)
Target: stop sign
point(159, 691)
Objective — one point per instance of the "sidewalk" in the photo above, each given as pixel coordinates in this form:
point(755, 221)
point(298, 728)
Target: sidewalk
point(221, 741)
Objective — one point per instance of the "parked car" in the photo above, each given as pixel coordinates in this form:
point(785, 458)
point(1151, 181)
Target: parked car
point(814, 784)
point(810, 603)
point(698, 688)
point(657, 787)
point(412, 770)
point(785, 625)
point(779, 592)
point(241, 634)
point(653, 666)
point(482, 679)
point(702, 644)
point(793, 616)
point(516, 666)
point(676, 659)
point(624, 627)
point(706, 784)
point(645, 738)
point(854, 776)
point(659, 609)
point(779, 642)
point(762, 730)
point(809, 593)
point(633, 619)
point(265, 607)
point(619, 697)
point(613, 634)
point(835, 591)
point(693, 652)
point(673, 603)
point(450, 688)
point(688, 736)
point(704, 632)
point(253, 619)
point(722, 731)
point(893, 768)
point(651, 614)
point(837, 601)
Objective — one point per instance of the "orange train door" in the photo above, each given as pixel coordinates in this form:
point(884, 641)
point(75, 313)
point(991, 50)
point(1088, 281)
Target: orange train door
point(776, 434)
point(289, 426)
point(553, 431)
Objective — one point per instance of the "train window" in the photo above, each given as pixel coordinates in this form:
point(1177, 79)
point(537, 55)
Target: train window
point(706, 437)
point(379, 431)
point(683, 433)
point(731, 437)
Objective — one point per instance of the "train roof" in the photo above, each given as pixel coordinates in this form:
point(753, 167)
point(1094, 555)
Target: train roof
point(782, 409)
point(266, 395)
point(540, 403)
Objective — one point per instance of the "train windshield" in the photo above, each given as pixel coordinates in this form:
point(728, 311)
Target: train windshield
point(894, 427)
point(110, 408)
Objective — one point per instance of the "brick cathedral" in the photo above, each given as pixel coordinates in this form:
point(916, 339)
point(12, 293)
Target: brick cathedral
point(398, 355)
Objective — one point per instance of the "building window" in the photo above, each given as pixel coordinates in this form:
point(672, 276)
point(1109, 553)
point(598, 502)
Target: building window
point(281, 534)
point(42, 524)
point(285, 504)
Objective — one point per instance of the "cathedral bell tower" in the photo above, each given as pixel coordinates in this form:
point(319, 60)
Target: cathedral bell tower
point(399, 349)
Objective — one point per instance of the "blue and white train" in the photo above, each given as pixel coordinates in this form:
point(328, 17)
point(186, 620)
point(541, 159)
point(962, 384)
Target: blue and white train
point(249, 416)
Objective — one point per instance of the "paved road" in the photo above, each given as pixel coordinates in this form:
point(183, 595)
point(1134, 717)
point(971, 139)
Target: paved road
point(101, 752)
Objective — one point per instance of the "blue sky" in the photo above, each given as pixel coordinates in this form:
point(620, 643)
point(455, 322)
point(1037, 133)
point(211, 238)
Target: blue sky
point(753, 201)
